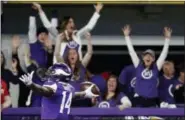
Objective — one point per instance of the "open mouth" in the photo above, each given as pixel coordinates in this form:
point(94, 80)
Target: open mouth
point(72, 59)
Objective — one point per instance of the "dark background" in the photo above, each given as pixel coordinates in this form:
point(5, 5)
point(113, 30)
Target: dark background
point(145, 19)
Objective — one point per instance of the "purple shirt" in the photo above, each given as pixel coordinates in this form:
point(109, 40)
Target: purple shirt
point(113, 102)
point(38, 54)
point(57, 107)
point(128, 79)
point(76, 83)
point(100, 82)
point(165, 89)
point(147, 81)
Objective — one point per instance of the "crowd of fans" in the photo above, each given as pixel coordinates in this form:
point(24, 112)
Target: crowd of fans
point(148, 82)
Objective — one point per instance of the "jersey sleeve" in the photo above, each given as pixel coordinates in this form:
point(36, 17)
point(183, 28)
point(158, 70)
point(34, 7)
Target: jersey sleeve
point(52, 85)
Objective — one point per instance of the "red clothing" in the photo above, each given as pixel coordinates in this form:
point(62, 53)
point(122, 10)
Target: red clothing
point(4, 91)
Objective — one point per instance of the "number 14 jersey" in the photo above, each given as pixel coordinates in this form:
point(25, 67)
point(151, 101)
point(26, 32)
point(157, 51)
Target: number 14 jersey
point(57, 107)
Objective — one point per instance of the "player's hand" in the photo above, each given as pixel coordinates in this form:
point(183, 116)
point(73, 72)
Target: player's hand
point(36, 6)
point(27, 78)
point(98, 7)
point(126, 30)
point(88, 92)
point(167, 32)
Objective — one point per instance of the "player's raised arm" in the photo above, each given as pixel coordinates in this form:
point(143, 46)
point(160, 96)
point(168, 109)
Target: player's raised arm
point(88, 55)
point(135, 59)
point(164, 53)
point(32, 28)
point(43, 90)
point(45, 20)
point(57, 56)
point(90, 25)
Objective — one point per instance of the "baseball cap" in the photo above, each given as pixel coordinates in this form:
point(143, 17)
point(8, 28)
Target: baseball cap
point(149, 51)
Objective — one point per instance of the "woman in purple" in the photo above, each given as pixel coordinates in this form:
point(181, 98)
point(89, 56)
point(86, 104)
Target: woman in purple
point(147, 70)
point(112, 96)
point(72, 59)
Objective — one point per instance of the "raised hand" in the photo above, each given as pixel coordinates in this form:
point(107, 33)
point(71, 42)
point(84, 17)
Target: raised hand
point(89, 94)
point(126, 30)
point(27, 55)
point(62, 36)
point(27, 78)
point(98, 7)
point(36, 6)
point(167, 32)
point(48, 43)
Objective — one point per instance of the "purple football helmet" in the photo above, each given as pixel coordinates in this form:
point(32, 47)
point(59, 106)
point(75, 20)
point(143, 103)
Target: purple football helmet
point(60, 71)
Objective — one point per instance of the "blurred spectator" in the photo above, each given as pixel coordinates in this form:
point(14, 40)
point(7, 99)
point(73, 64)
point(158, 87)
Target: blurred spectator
point(72, 59)
point(113, 97)
point(5, 97)
point(11, 78)
point(127, 80)
point(40, 42)
point(166, 83)
point(34, 99)
point(147, 70)
point(19, 91)
point(12, 47)
point(179, 87)
point(69, 29)
point(78, 67)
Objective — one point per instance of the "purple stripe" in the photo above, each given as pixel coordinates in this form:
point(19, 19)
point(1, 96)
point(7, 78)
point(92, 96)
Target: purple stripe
point(104, 112)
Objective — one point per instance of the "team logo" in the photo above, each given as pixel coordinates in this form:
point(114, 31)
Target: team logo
point(72, 44)
point(147, 74)
point(170, 90)
point(133, 82)
point(104, 104)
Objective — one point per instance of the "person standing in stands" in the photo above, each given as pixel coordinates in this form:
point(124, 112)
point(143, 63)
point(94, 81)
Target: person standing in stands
point(11, 47)
point(5, 97)
point(166, 82)
point(40, 41)
point(34, 99)
point(18, 91)
point(147, 70)
point(113, 97)
point(73, 60)
point(178, 88)
point(127, 80)
point(68, 27)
